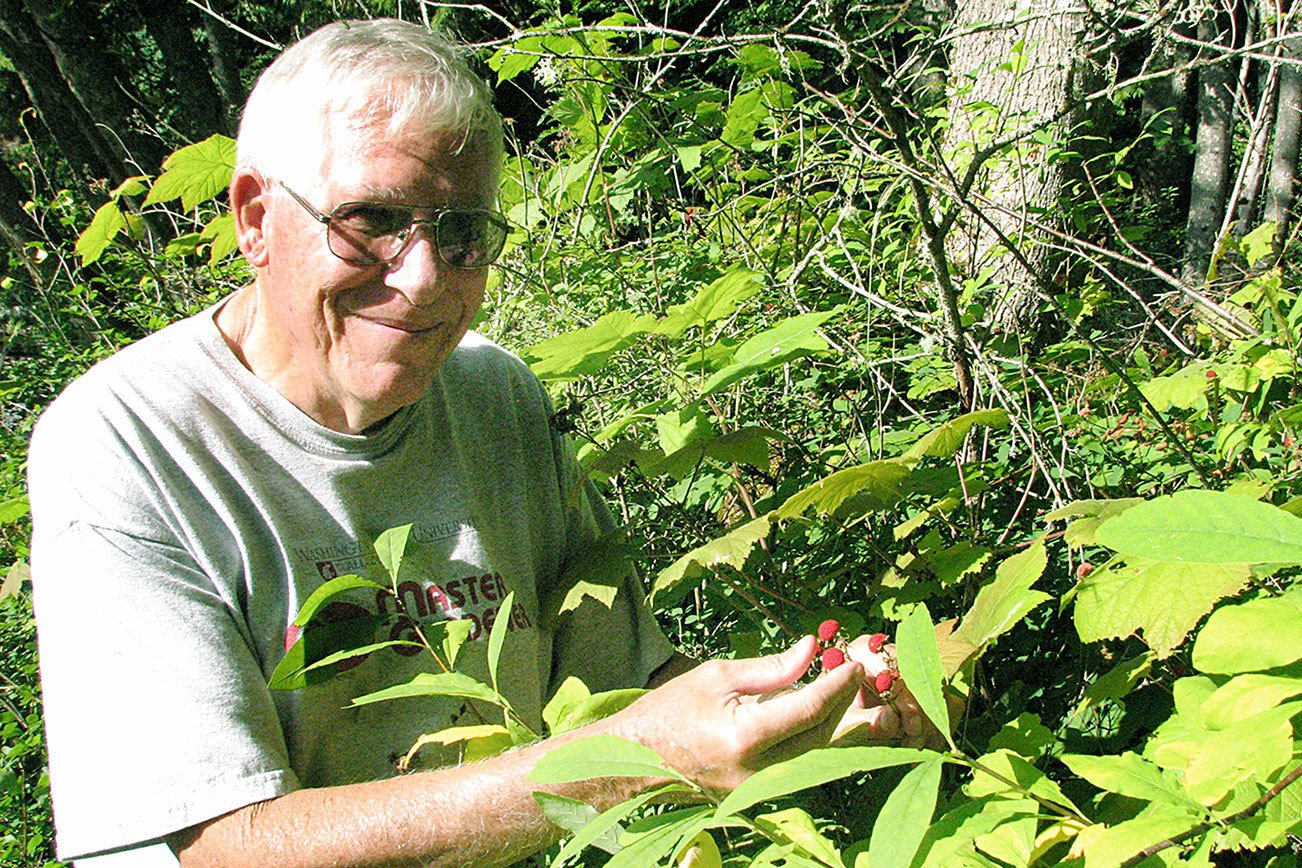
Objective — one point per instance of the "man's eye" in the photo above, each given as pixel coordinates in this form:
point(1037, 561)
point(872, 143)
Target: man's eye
point(371, 219)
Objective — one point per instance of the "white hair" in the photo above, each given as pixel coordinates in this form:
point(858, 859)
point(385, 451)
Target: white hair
point(387, 74)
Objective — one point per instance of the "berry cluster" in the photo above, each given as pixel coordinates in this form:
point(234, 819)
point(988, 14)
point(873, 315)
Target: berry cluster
point(833, 655)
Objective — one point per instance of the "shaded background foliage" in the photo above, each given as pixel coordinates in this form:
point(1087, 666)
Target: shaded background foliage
point(1081, 215)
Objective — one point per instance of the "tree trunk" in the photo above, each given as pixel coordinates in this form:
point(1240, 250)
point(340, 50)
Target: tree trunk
point(222, 57)
point(1284, 158)
point(1212, 154)
point(171, 25)
point(1021, 66)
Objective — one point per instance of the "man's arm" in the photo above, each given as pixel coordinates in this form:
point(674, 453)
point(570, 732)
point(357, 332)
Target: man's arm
point(709, 724)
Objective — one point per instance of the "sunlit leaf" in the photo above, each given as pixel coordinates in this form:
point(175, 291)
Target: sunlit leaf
point(732, 549)
point(390, 547)
point(719, 299)
point(328, 591)
point(788, 340)
point(195, 173)
point(880, 481)
point(585, 351)
point(905, 817)
point(1127, 774)
point(106, 223)
point(1004, 602)
point(919, 661)
point(453, 684)
point(599, 756)
point(1256, 635)
point(815, 768)
point(1206, 527)
point(947, 439)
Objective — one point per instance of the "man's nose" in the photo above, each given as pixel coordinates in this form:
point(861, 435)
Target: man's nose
point(416, 271)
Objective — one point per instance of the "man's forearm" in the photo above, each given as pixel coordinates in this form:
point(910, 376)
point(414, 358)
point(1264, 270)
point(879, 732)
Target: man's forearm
point(477, 814)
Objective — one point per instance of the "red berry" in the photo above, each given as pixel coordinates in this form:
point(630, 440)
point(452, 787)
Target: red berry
point(833, 657)
point(876, 642)
point(1084, 570)
point(884, 680)
point(827, 630)
point(1211, 375)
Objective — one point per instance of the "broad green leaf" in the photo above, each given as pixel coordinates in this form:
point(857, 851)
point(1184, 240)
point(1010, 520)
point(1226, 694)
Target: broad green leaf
point(107, 222)
point(481, 741)
point(1026, 736)
point(1128, 775)
point(13, 509)
point(195, 173)
point(1251, 749)
point(650, 839)
point(1259, 634)
point(1013, 841)
point(1245, 695)
point(607, 822)
point(905, 817)
point(1007, 600)
point(453, 684)
point(390, 547)
point(497, 636)
point(599, 756)
point(133, 186)
point(585, 351)
point(1259, 243)
point(784, 342)
point(880, 481)
point(716, 301)
point(1109, 846)
point(596, 707)
point(919, 662)
point(1010, 766)
point(797, 826)
point(572, 815)
point(319, 640)
point(1116, 602)
point(1206, 527)
point(571, 692)
point(1184, 390)
point(220, 230)
point(1094, 508)
point(814, 768)
point(955, 831)
point(731, 549)
point(954, 562)
point(327, 592)
point(1117, 681)
point(946, 440)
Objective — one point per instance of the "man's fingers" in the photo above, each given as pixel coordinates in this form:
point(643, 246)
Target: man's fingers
point(794, 712)
point(773, 672)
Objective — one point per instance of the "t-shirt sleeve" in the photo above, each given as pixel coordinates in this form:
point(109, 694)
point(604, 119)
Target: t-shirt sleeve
point(608, 647)
point(157, 713)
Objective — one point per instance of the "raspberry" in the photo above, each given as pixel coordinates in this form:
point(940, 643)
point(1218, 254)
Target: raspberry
point(1084, 569)
point(828, 629)
point(876, 642)
point(833, 657)
point(884, 680)
point(1211, 375)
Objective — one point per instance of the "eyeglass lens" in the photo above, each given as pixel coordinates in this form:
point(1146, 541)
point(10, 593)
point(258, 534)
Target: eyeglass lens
point(372, 232)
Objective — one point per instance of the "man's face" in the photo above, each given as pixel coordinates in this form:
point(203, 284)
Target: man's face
point(350, 344)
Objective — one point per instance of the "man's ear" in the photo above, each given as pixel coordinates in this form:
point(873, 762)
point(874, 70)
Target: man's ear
point(248, 196)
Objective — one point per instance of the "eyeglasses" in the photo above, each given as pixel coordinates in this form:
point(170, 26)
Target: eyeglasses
point(373, 233)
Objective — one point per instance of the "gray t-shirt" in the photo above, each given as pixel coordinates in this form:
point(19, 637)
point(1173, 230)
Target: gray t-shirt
point(183, 511)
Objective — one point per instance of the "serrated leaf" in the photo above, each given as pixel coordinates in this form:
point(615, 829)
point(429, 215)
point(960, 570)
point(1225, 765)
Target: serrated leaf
point(195, 173)
point(1004, 602)
point(133, 186)
point(918, 656)
point(732, 549)
point(1259, 634)
point(716, 301)
point(905, 817)
point(390, 546)
point(106, 223)
point(1116, 602)
point(946, 440)
point(220, 231)
point(1094, 508)
point(880, 481)
point(327, 592)
point(814, 768)
point(788, 340)
point(1206, 527)
point(584, 351)
point(453, 684)
point(599, 756)
point(1128, 775)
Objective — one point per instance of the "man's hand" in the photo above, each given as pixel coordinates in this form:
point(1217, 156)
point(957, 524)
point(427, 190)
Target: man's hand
point(727, 719)
point(895, 719)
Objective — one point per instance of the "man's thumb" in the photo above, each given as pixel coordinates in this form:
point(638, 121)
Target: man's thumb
point(774, 671)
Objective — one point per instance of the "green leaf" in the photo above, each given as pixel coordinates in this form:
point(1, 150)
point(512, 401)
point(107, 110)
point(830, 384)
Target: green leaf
point(881, 482)
point(946, 440)
point(788, 340)
point(1251, 749)
point(453, 684)
point(597, 707)
point(919, 661)
point(390, 546)
point(497, 636)
point(905, 817)
point(195, 173)
point(1007, 600)
point(716, 301)
point(567, 697)
point(732, 549)
point(1245, 695)
point(1109, 846)
point(1115, 602)
point(133, 186)
point(1259, 634)
point(651, 839)
point(607, 822)
point(1128, 775)
point(481, 741)
point(327, 592)
point(796, 826)
point(585, 351)
point(1094, 508)
point(220, 231)
point(319, 640)
point(1206, 527)
point(350, 653)
point(599, 756)
point(814, 768)
point(573, 815)
point(107, 222)
point(13, 509)
point(1259, 243)
point(455, 634)
point(1010, 766)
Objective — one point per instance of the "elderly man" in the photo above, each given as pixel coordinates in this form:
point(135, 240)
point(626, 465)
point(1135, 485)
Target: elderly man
point(190, 493)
